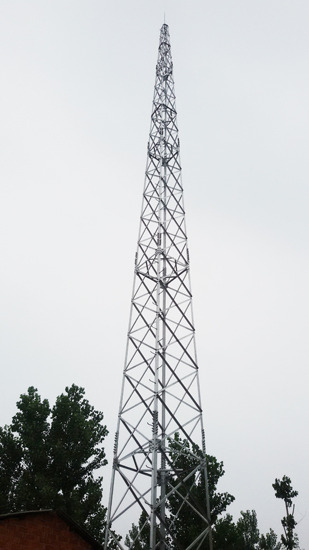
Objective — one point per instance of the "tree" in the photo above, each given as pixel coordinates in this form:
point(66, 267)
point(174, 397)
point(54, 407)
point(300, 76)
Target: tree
point(48, 458)
point(269, 541)
point(243, 535)
point(33, 488)
point(225, 534)
point(247, 527)
point(10, 467)
point(139, 536)
point(285, 491)
point(184, 524)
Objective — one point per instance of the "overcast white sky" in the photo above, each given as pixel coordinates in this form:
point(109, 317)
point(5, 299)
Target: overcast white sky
point(76, 89)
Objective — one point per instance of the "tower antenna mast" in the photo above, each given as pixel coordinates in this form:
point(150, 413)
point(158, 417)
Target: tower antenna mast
point(159, 450)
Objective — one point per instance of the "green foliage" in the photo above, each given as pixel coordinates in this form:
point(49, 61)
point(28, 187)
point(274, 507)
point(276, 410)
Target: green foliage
point(225, 534)
point(243, 535)
point(247, 527)
point(185, 524)
point(285, 491)
point(48, 458)
point(139, 536)
point(10, 467)
point(32, 490)
point(269, 541)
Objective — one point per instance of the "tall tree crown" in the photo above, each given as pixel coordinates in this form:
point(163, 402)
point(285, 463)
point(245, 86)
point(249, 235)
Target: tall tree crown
point(48, 457)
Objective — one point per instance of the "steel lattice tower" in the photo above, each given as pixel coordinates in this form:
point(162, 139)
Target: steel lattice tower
point(160, 416)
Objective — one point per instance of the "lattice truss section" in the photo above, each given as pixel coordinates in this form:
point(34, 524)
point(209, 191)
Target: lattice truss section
point(160, 398)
